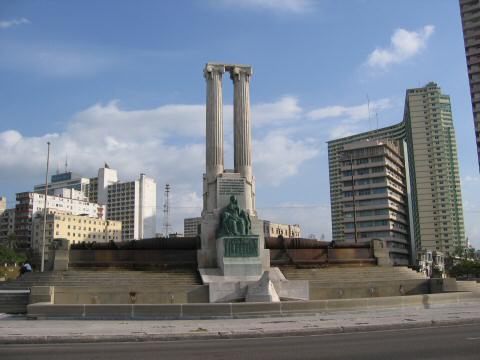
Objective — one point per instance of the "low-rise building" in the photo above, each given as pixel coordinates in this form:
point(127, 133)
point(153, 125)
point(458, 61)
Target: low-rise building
point(271, 229)
point(74, 228)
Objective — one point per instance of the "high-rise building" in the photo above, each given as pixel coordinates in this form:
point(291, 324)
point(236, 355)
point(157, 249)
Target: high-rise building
point(191, 226)
point(433, 161)
point(29, 204)
point(134, 203)
point(335, 148)
point(375, 195)
point(470, 12)
point(431, 164)
point(74, 228)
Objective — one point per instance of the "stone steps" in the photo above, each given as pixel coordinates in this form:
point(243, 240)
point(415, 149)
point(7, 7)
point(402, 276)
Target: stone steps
point(13, 302)
point(107, 278)
point(350, 275)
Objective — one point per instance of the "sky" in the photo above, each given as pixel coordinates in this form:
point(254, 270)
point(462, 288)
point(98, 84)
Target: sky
point(122, 82)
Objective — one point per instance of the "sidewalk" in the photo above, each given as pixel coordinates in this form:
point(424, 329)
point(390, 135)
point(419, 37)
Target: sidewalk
point(16, 329)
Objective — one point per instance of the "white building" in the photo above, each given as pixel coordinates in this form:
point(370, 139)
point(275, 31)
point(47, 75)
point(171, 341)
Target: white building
point(134, 203)
point(190, 226)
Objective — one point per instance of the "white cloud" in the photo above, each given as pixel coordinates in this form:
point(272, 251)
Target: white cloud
point(167, 143)
point(4, 24)
point(275, 113)
point(277, 157)
point(357, 112)
point(56, 61)
point(404, 44)
point(280, 6)
point(346, 120)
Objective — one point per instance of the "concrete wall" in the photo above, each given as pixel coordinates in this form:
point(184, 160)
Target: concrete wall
point(131, 295)
point(351, 290)
point(235, 310)
point(132, 258)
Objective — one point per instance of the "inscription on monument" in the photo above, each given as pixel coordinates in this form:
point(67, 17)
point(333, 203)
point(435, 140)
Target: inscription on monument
point(242, 246)
point(231, 187)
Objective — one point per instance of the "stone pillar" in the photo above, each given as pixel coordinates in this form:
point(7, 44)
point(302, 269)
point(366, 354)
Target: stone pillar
point(241, 121)
point(214, 129)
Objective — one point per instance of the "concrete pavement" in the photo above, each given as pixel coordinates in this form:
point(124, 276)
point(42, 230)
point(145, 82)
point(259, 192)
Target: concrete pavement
point(16, 329)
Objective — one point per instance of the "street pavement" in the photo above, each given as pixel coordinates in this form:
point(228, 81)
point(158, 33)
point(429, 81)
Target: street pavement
point(17, 329)
point(460, 342)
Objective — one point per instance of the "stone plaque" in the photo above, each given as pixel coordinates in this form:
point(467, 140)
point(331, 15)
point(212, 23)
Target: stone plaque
point(231, 187)
point(240, 246)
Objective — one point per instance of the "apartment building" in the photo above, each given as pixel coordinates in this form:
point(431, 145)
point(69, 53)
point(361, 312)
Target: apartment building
point(134, 203)
point(335, 149)
point(433, 161)
point(375, 195)
point(29, 204)
point(74, 228)
point(191, 226)
point(470, 13)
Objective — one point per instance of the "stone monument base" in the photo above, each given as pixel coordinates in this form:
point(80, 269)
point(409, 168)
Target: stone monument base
point(253, 288)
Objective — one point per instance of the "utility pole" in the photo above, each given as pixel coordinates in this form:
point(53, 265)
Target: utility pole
point(166, 211)
point(42, 265)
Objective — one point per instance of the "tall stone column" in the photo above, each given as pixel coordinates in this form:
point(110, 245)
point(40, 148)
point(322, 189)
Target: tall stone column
point(241, 121)
point(214, 132)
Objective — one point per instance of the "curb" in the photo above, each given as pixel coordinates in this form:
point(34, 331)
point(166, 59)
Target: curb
point(62, 339)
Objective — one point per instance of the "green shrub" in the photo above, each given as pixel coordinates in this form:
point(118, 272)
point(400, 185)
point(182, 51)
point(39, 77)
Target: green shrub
point(9, 256)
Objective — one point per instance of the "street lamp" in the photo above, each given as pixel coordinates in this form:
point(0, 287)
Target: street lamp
point(42, 265)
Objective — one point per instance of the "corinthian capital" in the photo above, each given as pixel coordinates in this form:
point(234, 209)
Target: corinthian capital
point(213, 68)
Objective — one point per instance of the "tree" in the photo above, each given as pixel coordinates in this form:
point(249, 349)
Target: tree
point(11, 242)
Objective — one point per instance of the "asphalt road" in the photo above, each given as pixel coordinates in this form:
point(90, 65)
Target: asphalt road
point(455, 342)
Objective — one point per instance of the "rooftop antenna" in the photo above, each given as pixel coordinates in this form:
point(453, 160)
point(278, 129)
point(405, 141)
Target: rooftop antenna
point(376, 117)
point(66, 163)
point(166, 211)
point(369, 117)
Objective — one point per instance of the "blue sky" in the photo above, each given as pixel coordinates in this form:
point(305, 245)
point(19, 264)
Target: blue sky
point(121, 82)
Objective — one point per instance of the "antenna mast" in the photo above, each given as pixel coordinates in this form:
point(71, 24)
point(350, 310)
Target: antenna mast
point(167, 227)
point(369, 117)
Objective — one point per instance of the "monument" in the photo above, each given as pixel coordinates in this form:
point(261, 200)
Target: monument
point(233, 260)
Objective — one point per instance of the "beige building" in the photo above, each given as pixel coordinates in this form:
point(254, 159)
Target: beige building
point(7, 224)
point(75, 228)
point(433, 159)
point(271, 229)
point(470, 11)
point(375, 195)
point(335, 149)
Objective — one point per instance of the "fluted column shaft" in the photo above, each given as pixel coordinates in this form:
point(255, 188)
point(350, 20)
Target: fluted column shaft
point(214, 121)
point(241, 121)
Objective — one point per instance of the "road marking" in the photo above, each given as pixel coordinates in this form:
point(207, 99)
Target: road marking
point(474, 338)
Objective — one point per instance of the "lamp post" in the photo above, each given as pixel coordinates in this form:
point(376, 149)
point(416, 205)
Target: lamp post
point(42, 265)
